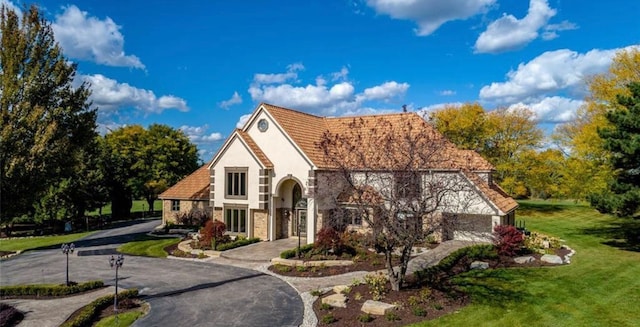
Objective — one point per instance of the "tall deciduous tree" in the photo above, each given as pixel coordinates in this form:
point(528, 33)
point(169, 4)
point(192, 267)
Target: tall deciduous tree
point(383, 171)
point(142, 163)
point(501, 136)
point(47, 125)
point(589, 169)
point(622, 139)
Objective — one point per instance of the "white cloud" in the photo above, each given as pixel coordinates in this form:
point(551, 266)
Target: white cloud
point(550, 31)
point(303, 97)
point(291, 74)
point(430, 14)
point(552, 71)
point(110, 96)
point(509, 33)
point(243, 120)
point(89, 38)
point(11, 6)
point(447, 92)
point(198, 134)
point(235, 99)
point(425, 111)
point(553, 109)
point(341, 75)
point(385, 91)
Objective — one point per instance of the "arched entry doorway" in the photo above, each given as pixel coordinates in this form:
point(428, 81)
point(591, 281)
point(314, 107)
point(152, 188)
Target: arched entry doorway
point(291, 212)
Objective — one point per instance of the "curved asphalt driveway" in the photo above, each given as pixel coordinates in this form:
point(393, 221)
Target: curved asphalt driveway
point(181, 293)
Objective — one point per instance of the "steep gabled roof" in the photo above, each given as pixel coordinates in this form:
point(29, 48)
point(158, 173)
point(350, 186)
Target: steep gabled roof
point(255, 149)
point(193, 187)
point(494, 193)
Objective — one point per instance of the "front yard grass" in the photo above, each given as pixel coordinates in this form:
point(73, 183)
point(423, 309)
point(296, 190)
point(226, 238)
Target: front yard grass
point(30, 243)
point(124, 319)
point(148, 246)
point(599, 288)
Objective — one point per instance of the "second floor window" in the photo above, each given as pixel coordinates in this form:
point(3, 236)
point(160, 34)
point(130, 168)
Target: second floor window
point(236, 183)
point(408, 184)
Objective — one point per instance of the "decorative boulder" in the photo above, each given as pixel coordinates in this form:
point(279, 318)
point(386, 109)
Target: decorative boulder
point(479, 265)
point(551, 258)
point(338, 289)
point(377, 307)
point(336, 300)
point(525, 259)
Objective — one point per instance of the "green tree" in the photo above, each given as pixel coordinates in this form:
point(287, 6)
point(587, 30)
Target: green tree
point(142, 163)
point(47, 124)
point(622, 140)
point(589, 166)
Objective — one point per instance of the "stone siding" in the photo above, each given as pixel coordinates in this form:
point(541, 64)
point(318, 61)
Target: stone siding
point(260, 223)
point(169, 215)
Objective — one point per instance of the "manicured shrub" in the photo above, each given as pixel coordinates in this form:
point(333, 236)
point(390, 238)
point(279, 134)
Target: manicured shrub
point(537, 242)
point(288, 254)
point(192, 218)
point(328, 240)
point(90, 312)
point(392, 316)
point(237, 243)
point(377, 285)
point(325, 306)
point(507, 239)
point(419, 311)
point(213, 233)
point(444, 268)
point(49, 290)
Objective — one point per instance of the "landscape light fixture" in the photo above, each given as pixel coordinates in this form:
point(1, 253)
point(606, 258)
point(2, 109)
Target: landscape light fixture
point(66, 249)
point(117, 263)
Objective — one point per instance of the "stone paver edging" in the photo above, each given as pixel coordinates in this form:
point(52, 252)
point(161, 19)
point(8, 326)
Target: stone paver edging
point(318, 263)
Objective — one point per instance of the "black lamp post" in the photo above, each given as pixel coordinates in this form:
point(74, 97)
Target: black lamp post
point(66, 249)
point(116, 262)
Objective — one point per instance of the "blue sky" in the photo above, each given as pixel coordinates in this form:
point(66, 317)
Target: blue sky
point(203, 66)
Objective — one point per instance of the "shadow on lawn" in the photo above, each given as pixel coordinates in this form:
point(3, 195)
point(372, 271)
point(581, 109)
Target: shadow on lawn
point(525, 208)
point(623, 233)
point(496, 287)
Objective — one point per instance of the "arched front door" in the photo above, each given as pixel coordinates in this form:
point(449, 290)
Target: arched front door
point(300, 212)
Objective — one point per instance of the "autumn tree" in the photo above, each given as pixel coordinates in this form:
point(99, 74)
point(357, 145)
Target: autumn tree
point(622, 140)
point(588, 159)
point(142, 163)
point(47, 124)
point(501, 136)
point(389, 170)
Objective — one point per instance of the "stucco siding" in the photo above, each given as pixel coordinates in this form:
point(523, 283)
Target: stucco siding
point(237, 155)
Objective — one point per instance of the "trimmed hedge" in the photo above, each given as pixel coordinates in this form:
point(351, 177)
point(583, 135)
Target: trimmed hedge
point(292, 252)
point(90, 312)
point(237, 243)
point(49, 290)
point(444, 268)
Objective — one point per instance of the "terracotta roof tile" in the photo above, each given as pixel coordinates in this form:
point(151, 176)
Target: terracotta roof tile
point(193, 187)
point(494, 193)
point(256, 149)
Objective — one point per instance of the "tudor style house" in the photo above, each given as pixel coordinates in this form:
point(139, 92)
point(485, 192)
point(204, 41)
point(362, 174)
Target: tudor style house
point(263, 182)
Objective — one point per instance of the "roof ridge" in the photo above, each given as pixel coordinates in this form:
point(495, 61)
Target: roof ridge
point(289, 109)
point(376, 115)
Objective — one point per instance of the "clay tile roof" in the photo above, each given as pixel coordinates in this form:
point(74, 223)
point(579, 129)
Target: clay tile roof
point(494, 193)
point(256, 149)
point(192, 187)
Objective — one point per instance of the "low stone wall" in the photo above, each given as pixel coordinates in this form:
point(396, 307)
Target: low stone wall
point(318, 263)
point(185, 246)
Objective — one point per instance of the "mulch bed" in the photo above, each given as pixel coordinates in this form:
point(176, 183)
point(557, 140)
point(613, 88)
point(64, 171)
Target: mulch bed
point(435, 305)
point(5, 253)
point(124, 305)
point(373, 262)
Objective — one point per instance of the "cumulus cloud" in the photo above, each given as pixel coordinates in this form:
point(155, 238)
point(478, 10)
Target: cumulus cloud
point(430, 15)
point(88, 38)
point(243, 120)
point(290, 74)
point(554, 109)
point(303, 97)
point(199, 134)
point(385, 91)
point(110, 96)
point(550, 31)
point(509, 33)
point(235, 99)
point(552, 71)
point(341, 75)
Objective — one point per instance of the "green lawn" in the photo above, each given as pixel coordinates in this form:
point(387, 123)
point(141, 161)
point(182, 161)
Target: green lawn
point(138, 206)
point(601, 286)
point(30, 243)
point(124, 319)
point(148, 246)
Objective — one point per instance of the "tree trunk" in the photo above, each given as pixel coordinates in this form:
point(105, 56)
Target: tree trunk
point(393, 275)
point(150, 201)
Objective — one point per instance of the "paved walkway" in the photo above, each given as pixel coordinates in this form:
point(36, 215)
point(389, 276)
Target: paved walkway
point(262, 251)
point(52, 313)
